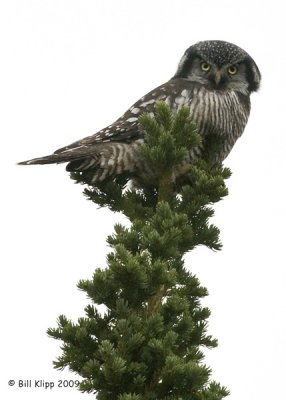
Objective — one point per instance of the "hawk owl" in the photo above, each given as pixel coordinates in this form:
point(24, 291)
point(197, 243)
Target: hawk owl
point(214, 78)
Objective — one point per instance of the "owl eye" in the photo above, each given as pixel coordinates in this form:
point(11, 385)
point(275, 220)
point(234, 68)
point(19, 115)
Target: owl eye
point(232, 70)
point(205, 67)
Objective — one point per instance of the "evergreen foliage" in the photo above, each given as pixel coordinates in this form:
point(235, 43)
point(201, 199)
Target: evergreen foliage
point(148, 343)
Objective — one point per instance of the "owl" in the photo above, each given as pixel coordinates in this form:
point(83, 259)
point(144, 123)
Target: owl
point(214, 78)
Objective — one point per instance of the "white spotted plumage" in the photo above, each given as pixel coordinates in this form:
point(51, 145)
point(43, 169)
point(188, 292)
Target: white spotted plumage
point(219, 104)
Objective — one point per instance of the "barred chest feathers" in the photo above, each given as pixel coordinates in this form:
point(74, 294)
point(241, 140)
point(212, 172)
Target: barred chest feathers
point(214, 78)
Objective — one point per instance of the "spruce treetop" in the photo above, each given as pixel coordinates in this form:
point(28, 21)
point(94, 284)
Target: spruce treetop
point(148, 343)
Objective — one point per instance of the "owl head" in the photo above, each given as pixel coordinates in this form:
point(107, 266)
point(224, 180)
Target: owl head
point(219, 65)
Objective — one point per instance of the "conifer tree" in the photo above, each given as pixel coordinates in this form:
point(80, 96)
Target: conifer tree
point(148, 343)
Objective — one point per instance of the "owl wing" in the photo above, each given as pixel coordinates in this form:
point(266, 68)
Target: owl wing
point(121, 130)
point(125, 130)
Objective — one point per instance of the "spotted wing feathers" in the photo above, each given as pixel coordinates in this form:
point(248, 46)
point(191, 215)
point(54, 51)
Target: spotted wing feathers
point(125, 130)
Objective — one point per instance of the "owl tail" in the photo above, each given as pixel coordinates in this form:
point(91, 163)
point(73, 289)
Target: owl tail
point(77, 161)
point(52, 159)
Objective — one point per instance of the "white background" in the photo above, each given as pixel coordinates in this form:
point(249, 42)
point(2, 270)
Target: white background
point(69, 68)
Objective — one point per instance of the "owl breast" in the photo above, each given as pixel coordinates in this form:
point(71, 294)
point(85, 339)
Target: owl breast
point(222, 113)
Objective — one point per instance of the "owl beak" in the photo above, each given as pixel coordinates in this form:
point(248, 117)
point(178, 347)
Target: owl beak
point(217, 77)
